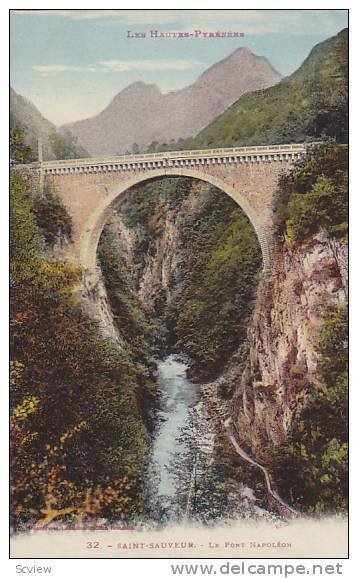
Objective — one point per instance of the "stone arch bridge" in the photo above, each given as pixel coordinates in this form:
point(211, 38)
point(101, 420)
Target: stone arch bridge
point(90, 189)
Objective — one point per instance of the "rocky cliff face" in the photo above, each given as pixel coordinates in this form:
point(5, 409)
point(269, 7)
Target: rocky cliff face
point(155, 272)
point(167, 256)
point(274, 376)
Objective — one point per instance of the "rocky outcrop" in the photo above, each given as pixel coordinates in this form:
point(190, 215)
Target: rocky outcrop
point(156, 272)
point(152, 272)
point(95, 303)
point(273, 377)
point(167, 255)
point(93, 294)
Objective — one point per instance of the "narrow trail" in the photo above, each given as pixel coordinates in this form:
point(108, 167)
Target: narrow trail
point(222, 414)
point(283, 508)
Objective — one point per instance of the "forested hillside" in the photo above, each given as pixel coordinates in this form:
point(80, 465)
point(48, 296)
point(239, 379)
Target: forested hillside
point(310, 104)
point(27, 126)
point(79, 405)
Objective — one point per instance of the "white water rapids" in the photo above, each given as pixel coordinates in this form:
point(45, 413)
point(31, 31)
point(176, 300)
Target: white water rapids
point(179, 395)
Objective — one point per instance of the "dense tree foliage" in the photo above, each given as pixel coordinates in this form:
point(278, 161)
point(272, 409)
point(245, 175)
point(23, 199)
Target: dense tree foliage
point(143, 338)
point(219, 286)
point(200, 485)
point(79, 444)
point(19, 151)
point(144, 200)
point(314, 196)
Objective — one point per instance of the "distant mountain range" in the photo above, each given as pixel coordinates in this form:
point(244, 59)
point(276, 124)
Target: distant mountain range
point(238, 101)
point(26, 117)
point(140, 114)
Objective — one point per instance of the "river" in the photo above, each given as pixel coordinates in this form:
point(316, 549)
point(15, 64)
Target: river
point(187, 479)
point(182, 460)
point(178, 396)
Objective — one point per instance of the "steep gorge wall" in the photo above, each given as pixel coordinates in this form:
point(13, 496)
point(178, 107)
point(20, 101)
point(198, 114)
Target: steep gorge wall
point(168, 255)
point(272, 382)
point(274, 371)
point(95, 297)
point(153, 254)
point(191, 251)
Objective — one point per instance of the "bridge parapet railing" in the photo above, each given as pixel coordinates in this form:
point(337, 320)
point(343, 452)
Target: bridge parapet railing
point(173, 155)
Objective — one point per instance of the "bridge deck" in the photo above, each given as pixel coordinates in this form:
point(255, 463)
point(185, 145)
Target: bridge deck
point(251, 152)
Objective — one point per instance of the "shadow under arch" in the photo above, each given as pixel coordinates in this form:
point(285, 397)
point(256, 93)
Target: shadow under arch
point(93, 227)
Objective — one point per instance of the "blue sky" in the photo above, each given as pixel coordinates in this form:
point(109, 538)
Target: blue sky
point(71, 63)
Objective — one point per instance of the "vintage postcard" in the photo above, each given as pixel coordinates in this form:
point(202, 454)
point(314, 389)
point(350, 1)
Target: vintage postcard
point(179, 197)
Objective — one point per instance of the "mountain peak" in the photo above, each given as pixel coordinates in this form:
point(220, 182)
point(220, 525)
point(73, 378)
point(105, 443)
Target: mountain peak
point(242, 57)
point(241, 50)
point(140, 87)
point(134, 92)
point(141, 113)
point(298, 117)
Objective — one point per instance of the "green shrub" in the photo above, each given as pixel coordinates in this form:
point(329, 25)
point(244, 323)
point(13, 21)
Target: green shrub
point(52, 218)
point(314, 196)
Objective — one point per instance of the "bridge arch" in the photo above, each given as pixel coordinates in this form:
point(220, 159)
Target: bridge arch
point(93, 227)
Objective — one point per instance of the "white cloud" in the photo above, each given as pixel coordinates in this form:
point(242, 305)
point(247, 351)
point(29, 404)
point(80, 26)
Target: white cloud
point(119, 66)
point(59, 68)
point(154, 64)
point(54, 69)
